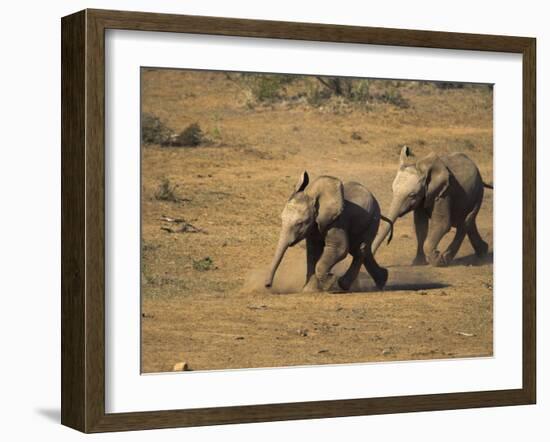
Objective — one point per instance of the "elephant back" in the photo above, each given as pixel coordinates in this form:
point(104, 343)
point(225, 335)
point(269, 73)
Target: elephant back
point(466, 174)
point(358, 194)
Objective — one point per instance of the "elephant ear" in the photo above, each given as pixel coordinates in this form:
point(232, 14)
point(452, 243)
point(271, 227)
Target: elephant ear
point(406, 157)
point(328, 194)
point(302, 183)
point(436, 176)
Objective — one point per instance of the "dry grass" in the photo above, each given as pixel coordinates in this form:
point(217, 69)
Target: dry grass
point(234, 189)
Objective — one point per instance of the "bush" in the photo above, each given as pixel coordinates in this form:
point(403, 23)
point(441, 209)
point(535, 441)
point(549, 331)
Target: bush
point(361, 91)
point(316, 95)
point(191, 136)
point(266, 88)
point(153, 130)
point(349, 88)
point(394, 97)
point(448, 85)
point(263, 88)
point(166, 191)
point(204, 264)
point(338, 93)
point(338, 85)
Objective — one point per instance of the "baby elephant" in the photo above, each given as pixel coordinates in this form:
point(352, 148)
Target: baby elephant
point(335, 219)
point(443, 192)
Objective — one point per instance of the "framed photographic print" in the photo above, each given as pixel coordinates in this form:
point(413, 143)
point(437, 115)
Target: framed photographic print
point(268, 221)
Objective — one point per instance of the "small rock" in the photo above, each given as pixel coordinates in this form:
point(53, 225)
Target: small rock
point(181, 366)
point(322, 351)
point(468, 335)
point(422, 293)
point(302, 332)
point(239, 338)
point(386, 351)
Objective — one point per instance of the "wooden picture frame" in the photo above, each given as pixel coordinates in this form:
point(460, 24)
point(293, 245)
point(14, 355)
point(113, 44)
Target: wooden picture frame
point(83, 220)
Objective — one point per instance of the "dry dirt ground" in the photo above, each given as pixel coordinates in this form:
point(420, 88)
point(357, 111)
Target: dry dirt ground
point(202, 295)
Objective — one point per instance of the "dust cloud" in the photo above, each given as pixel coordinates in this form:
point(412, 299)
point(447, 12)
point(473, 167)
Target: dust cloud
point(291, 275)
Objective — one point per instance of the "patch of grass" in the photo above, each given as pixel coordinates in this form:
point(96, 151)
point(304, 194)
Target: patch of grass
point(162, 282)
point(265, 88)
point(147, 246)
point(166, 191)
point(204, 264)
point(154, 130)
point(216, 133)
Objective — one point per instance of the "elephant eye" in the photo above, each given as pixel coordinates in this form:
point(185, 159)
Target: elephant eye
point(412, 194)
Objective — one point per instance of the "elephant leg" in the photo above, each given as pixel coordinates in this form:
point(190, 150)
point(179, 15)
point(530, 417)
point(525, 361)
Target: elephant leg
point(421, 221)
point(334, 251)
point(346, 280)
point(378, 274)
point(440, 224)
point(453, 248)
point(481, 247)
point(314, 249)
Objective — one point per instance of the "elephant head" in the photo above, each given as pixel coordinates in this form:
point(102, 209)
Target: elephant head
point(418, 183)
point(311, 206)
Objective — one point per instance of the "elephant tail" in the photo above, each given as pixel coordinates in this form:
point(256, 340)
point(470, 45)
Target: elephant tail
point(390, 222)
point(488, 186)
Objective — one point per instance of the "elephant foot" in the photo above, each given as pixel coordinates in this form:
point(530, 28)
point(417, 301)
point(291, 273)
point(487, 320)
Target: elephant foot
point(437, 259)
point(344, 283)
point(482, 249)
point(420, 260)
point(312, 285)
point(381, 279)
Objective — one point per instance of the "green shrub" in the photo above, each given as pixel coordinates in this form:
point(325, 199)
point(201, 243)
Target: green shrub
point(204, 264)
point(266, 88)
point(361, 91)
point(263, 88)
point(154, 130)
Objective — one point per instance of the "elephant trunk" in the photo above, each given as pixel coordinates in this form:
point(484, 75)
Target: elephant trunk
point(385, 228)
point(277, 258)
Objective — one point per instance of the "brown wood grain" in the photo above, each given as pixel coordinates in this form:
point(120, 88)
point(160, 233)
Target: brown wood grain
point(83, 220)
point(73, 127)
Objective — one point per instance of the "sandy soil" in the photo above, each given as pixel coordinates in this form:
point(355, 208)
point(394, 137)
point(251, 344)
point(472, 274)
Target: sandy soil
point(202, 295)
